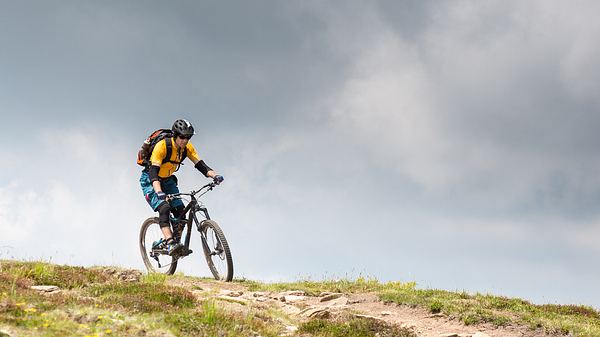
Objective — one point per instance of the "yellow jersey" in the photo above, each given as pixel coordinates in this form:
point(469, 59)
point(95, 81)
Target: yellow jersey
point(169, 167)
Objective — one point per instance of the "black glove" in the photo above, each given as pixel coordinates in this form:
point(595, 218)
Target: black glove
point(161, 195)
point(218, 179)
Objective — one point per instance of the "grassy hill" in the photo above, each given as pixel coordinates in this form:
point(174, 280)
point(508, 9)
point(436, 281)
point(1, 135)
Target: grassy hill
point(106, 301)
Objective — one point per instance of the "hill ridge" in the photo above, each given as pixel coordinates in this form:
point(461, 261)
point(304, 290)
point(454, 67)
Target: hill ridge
point(109, 301)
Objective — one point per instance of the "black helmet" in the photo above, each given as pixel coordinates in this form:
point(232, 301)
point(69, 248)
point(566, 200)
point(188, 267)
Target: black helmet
point(183, 127)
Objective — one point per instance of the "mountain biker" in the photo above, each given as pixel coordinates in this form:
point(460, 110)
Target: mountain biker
point(157, 179)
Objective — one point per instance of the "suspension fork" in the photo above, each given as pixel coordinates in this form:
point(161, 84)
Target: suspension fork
point(188, 233)
point(193, 207)
point(198, 208)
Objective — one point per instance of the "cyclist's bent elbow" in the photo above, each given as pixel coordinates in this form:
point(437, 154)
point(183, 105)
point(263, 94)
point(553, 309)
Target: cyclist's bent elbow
point(153, 172)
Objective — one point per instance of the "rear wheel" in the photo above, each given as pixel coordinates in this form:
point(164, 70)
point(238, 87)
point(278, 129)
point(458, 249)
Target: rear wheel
point(216, 251)
point(154, 252)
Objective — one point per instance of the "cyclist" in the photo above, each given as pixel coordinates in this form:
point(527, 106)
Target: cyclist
point(158, 178)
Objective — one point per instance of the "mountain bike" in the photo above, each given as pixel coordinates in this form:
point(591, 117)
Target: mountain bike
point(214, 245)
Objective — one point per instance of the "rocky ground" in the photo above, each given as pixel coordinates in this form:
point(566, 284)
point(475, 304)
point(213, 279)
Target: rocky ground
point(300, 307)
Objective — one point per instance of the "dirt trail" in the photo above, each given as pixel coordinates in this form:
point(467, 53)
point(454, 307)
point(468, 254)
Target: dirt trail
point(299, 307)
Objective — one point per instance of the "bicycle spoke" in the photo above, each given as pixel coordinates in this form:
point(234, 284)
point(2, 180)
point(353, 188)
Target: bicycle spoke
point(156, 260)
point(217, 252)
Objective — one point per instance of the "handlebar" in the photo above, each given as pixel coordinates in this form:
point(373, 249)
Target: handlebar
point(208, 187)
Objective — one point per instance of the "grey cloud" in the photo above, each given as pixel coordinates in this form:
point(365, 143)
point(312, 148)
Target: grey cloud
point(235, 64)
point(478, 104)
point(439, 137)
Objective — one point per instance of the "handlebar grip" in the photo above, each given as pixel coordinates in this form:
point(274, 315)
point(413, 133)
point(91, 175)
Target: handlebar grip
point(170, 197)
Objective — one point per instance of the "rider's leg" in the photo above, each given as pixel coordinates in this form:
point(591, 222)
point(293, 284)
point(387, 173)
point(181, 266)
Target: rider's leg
point(163, 208)
point(169, 186)
point(163, 220)
point(160, 206)
point(173, 247)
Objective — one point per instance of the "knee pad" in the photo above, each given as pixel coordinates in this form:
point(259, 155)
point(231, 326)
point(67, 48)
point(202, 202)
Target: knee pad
point(163, 214)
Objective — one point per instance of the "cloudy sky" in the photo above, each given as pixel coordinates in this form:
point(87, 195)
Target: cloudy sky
point(449, 143)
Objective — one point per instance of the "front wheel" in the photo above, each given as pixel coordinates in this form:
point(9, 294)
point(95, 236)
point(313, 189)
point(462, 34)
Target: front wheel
point(153, 249)
point(216, 251)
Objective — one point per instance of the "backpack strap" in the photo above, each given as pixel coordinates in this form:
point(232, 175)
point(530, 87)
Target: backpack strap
point(184, 155)
point(169, 150)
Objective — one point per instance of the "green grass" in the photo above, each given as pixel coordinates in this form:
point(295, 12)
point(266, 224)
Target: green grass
point(42, 273)
point(314, 288)
point(142, 297)
point(211, 321)
point(92, 302)
point(95, 304)
point(354, 327)
point(500, 311)
point(154, 278)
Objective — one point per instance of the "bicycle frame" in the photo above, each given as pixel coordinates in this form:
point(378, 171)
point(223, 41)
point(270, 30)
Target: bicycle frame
point(191, 208)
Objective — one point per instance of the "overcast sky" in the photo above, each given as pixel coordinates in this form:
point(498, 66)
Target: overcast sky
point(451, 143)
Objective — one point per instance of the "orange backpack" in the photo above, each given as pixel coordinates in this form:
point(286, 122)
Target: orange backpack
point(143, 157)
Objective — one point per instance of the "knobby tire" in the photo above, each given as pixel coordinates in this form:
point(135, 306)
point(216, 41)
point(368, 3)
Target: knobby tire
point(226, 276)
point(151, 264)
